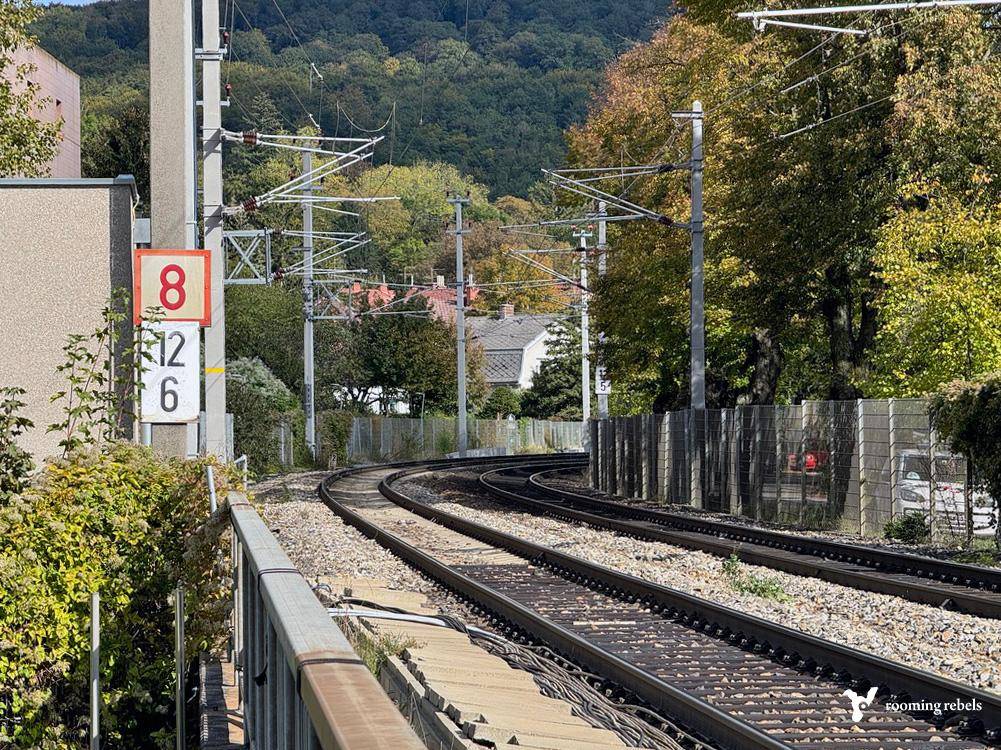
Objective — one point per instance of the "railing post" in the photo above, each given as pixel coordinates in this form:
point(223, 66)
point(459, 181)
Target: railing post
point(210, 480)
point(95, 671)
point(179, 666)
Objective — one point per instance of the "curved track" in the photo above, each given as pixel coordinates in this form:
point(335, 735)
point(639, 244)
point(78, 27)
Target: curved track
point(733, 679)
point(967, 588)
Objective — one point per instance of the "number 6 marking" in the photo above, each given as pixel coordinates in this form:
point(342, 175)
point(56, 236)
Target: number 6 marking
point(172, 286)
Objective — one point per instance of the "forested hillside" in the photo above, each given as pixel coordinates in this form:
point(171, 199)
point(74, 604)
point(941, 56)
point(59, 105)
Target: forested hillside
point(487, 86)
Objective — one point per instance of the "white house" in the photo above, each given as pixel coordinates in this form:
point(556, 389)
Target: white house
point(515, 346)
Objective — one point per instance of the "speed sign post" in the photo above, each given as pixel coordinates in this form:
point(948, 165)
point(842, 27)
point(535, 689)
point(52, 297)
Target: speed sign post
point(175, 284)
point(170, 393)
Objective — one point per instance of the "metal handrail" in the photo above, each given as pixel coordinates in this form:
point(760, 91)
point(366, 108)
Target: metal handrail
point(303, 686)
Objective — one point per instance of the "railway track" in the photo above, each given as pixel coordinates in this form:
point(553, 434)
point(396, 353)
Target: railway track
point(966, 588)
point(734, 680)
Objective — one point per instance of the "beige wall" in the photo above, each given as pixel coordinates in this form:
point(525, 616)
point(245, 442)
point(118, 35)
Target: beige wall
point(59, 91)
point(65, 246)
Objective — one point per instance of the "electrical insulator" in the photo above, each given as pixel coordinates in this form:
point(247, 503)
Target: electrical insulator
point(250, 205)
point(250, 137)
point(225, 38)
point(229, 89)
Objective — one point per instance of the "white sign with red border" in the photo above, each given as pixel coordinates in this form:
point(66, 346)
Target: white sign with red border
point(174, 282)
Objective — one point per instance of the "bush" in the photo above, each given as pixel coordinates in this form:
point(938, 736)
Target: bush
point(334, 431)
point(501, 402)
point(260, 401)
point(967, 415)
point(132, 527)
point(910, 528)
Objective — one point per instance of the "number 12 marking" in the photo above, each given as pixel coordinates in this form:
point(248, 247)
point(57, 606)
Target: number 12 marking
point(172, 362)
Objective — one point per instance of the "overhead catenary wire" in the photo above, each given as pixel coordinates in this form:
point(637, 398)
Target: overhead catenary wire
point(851, 111)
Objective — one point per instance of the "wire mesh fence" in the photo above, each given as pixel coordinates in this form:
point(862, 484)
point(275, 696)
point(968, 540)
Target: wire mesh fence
point(852, 466)
point(378, 439)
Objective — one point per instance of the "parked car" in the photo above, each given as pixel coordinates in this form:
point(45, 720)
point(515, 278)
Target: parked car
point(913, 493)
point(811, 460)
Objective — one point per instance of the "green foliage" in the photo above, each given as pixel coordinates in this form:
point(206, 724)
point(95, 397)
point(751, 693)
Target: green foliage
point(406, 234)
point(748, 583)
point(469, 94)
point(556, 387)
point(334, 430)
point(967, 416)
point(259, 402)
point(909, 528)
point(411, 356)
point(266, 322)
point(501, 402)
point(375, 650)
point(15, 462)
point(941, 303)
point(132, 527)
point(101, 373)
point(815, 241)
point(26, 144)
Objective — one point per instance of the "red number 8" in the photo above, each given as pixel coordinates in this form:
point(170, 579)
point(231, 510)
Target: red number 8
point(172, 286)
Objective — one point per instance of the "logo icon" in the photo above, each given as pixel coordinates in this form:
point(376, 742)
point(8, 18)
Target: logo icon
point(860, 701)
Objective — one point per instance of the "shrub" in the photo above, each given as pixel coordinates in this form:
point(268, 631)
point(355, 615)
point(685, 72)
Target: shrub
point(260, 401)
point(15, 463)
point(334, 430)
point(501, 402)
point(909, 528)
point(132, 527)
point(967, 415)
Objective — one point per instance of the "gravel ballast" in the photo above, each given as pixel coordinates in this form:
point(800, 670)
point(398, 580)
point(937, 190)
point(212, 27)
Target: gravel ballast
point(957, 646)
point(319, 543)
point(961, 647)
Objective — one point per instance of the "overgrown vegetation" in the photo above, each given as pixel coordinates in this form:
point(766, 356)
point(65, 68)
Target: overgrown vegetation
point(106, 516)
point(375, 650)
point(261, 403)
point(910, 528)
point(501, 402)
point(857, 257)
point(744, 582)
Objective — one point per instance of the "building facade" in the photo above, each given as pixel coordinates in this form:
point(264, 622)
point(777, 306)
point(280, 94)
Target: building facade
point(67, 246)
point(59, 99)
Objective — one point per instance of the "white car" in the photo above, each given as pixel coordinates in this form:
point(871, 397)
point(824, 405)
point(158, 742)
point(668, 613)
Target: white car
point(914, 486)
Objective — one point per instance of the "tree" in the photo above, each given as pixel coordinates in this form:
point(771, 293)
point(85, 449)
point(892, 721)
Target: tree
point(407, 355)
point(266, 322)
point(793, 278)
point(501, 402)
point(556, 387)
point(26, 145)
point(116, 141)
point(940, 310)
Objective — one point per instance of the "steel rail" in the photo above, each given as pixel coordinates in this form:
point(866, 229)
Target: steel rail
point(783, 645)
point(695, 714)
point(968, 588)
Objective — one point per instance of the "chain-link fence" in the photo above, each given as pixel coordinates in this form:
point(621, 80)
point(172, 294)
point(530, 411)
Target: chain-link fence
point(847, 465)
point(378, 439)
